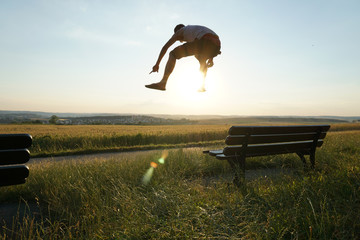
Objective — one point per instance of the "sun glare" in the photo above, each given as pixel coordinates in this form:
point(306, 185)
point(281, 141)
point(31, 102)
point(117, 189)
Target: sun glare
point(187, 81)
point(184, 84)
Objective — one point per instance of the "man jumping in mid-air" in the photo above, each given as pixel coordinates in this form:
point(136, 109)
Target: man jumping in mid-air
point(201, 42)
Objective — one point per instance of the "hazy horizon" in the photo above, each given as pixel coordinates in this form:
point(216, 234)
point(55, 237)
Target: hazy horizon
point(279, 58)
point(160, 114)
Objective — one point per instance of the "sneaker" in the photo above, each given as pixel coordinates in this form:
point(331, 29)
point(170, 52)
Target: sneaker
point(156, 86)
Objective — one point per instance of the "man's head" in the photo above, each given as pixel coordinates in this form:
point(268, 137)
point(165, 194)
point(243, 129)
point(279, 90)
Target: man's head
point(178, 27)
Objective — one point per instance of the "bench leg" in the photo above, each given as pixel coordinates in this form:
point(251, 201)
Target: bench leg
point(302, 157)
point(238, 167)
point(312, 159)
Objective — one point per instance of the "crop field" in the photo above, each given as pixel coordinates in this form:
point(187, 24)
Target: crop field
point(189, 195)
point(53, 140)
point(63, 140)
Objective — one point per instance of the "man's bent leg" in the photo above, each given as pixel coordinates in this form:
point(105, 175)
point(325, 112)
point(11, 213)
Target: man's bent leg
point(170, 65)
point(168, 70)
point(187, 49)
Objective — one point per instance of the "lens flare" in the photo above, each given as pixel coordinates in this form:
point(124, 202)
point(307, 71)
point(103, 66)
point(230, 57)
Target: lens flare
point(149, 173)
point(153, 164)
point(161, 160)
point(163, 157)
point(147, 176)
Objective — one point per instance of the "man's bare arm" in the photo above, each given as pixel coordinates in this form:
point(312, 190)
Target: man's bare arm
point(164, 49)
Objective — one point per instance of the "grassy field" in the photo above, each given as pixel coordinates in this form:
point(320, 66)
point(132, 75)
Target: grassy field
point(54, 140)
point(189, 197)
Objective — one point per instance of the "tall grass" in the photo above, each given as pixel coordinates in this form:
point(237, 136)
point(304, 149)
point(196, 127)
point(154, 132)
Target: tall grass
point(190, 196)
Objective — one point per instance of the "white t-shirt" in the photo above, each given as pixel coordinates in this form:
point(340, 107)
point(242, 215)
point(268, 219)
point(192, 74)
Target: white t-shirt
point(192, 32)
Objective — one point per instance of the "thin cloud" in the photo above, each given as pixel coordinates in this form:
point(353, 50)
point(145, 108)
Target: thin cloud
point(133, 43)
point(81, 34)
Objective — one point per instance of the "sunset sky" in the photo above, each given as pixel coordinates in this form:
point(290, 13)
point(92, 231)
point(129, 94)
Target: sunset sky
point(278, 57)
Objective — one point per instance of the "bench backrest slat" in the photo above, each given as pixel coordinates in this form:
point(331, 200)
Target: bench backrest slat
point(15, 141)
point(13, 151)
point(269, 149)
point(13, 175)
point(14, 156)
point(259, 130)
point(272, 138)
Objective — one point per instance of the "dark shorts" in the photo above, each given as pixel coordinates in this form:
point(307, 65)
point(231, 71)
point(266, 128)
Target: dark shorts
point(202, 49)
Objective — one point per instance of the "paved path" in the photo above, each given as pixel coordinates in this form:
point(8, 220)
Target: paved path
point(120, 155)
point(87, 157)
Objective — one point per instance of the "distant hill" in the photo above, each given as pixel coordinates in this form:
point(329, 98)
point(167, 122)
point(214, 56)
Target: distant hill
point(49, 114)
point(86, 118)
point(110, 118)
point(213, 117)
point(270, 120)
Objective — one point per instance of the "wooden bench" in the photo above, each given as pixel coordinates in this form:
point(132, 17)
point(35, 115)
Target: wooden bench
point(253, 141)
point(13, 155)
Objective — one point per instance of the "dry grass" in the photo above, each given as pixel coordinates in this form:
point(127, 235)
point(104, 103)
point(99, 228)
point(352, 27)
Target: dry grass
point(105, 198)
point(101, 130)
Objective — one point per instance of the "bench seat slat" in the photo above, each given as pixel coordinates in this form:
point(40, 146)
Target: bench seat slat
point(15, 141)
point(268, 149)
point(14, 156)
point(222, 157)
point(242, 130)
point(272, 138)
point(12, 175)
point(215, 152)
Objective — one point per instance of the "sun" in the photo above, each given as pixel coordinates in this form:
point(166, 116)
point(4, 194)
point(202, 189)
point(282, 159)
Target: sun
point(187, 80)
point(184, 91)
point(183, 86)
